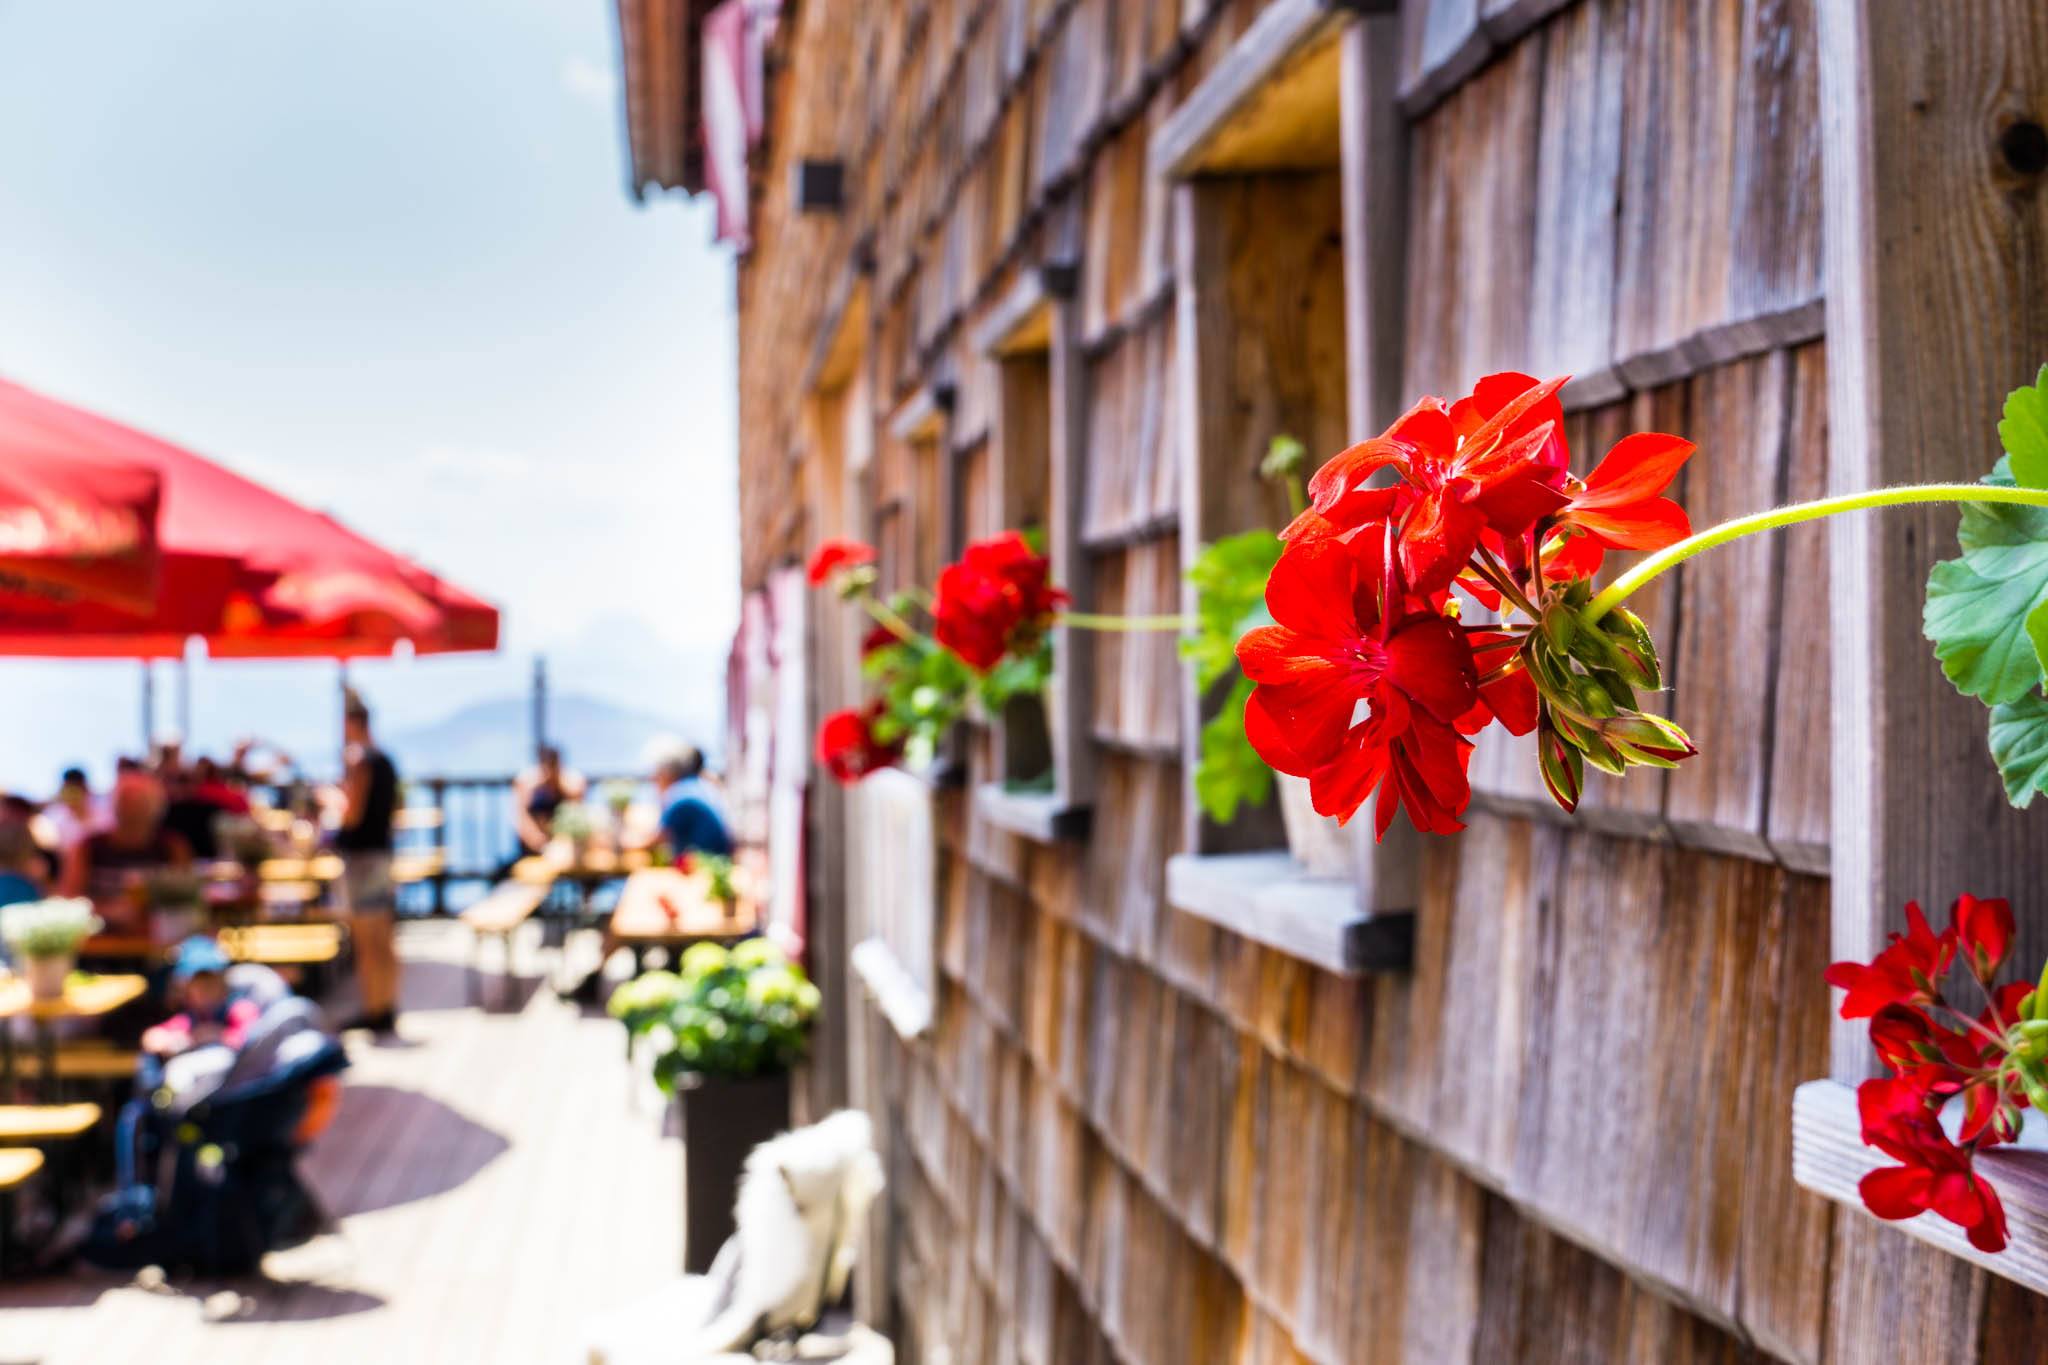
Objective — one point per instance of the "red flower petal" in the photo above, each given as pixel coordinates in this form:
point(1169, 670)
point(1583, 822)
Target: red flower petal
point(1897, 1192)
point(1270, 739)
point(1437, 541)
point(1987, 1234)
point(1310, 590)
point(1985, 929)
point(1427, 658)
point(1639, 467)
point(837, 554)
point(1649, 525)
point(1344, 472)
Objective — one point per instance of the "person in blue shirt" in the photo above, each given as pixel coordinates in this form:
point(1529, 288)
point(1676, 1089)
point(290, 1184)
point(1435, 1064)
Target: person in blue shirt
point(692, 822)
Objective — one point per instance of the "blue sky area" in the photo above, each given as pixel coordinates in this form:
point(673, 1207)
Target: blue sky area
point(379, 256)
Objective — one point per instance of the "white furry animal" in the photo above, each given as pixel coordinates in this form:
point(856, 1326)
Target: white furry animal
point(797, 1221)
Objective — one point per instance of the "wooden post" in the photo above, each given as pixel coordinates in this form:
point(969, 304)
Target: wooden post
point(1070, 708)
point(438, 787)
point(1936, 237)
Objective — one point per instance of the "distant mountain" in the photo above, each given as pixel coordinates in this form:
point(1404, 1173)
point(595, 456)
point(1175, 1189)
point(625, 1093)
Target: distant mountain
point(495, 737)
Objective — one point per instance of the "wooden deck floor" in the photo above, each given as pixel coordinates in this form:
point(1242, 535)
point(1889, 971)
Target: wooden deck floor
point(498, 1177)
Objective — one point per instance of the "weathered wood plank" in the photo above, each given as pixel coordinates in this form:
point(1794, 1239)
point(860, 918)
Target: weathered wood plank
point(1937, 250)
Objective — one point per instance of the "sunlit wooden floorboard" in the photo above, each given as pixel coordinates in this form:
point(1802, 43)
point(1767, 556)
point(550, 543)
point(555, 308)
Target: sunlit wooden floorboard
point(498, 1177)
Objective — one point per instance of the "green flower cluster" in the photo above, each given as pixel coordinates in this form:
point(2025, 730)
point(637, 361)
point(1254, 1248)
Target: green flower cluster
point(731, 1013)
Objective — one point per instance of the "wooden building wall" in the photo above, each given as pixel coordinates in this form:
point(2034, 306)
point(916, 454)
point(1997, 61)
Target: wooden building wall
point(1128, 1133)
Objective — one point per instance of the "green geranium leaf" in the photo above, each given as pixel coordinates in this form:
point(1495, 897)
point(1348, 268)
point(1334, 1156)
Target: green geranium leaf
point(2024, 432)
point(2019, 745)
point(1987, 612)
point(1229, 577)
point(1230, 772)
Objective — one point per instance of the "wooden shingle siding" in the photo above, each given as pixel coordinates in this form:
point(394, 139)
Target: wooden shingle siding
point(1564, 1133)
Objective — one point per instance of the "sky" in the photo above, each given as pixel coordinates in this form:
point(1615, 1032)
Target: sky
point(381, 257)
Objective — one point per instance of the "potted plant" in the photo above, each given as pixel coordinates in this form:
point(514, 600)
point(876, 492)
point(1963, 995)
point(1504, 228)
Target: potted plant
point(618, 799)
point(43, 937)
point(176, 905)
point(728, 1026)
point(573, 826)
point(718, 868)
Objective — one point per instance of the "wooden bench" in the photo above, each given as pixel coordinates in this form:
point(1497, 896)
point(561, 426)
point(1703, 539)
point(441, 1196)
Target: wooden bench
point(499, 915)
point(90, 1061)
point(46, 1122)
point(17, 1164)
point(283, 945)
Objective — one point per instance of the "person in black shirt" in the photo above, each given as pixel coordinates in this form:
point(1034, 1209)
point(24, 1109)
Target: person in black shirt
point(369, 806)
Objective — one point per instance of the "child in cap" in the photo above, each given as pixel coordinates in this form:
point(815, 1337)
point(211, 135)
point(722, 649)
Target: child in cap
point(206, 1015)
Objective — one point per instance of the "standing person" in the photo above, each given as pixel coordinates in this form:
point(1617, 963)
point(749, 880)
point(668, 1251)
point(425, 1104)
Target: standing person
point(691, 822)
point(369, 806)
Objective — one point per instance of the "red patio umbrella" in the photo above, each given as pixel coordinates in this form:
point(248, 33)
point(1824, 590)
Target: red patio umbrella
point(254, 573)
point(74, 524)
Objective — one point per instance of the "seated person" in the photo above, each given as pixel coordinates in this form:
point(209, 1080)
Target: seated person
point(691, 823)
point(199, 798)
point(692, 818)
point(74, 812)
point(537, 794)
point(21, 865)
point(199, 987)
point(112, 867)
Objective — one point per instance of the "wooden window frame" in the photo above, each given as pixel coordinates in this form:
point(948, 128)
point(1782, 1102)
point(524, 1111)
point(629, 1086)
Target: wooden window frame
point(1249, 118)
point(1039, 322)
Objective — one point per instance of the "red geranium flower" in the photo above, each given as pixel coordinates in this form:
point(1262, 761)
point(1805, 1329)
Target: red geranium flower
point(1935, 1173)
point(1984, 930)
point(1332, 647)
point(1621, 505)
point(1492, 462)
point(848, 747)
point(995, 599)
point(836, 555)
point(1905, 973)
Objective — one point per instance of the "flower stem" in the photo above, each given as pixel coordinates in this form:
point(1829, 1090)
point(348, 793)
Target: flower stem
point(1672, 556)
point(1083, 620)
point(891, 622)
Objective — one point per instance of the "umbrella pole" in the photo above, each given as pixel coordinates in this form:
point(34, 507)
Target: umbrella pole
point(148, 707)
point(185, 698)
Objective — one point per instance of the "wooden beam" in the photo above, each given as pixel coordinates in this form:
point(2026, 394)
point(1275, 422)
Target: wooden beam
point(1041, 817)
point(1936, 249)
point(1070, 700)
point(1019, 322)
point(1246, 112)
point(1266, 898)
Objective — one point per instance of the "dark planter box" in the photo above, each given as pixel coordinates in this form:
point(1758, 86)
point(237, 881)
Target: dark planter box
point(723, 1120)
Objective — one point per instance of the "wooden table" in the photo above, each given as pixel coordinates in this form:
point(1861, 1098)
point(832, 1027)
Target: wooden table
point(89, 997)
point(663, 908)
point(596, 864)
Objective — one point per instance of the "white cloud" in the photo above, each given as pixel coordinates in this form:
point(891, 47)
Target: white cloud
point(588, 81)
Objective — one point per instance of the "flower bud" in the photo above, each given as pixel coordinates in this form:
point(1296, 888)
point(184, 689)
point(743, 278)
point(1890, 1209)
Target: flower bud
point(1559, 625)
point(1564, 775)
point(2037, 1094)
point(1631, 639)
point(1605, 757)
point(1652, 735)
point(1593, 699)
